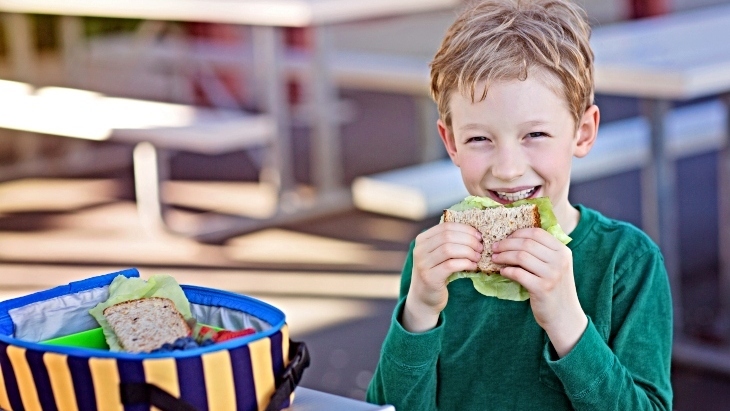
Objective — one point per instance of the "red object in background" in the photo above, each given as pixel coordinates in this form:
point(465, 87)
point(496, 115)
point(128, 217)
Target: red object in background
point(648, 8)
point(297, 37)
point(294, 38)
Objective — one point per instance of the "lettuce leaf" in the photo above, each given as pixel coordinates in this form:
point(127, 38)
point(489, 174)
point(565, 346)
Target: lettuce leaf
point(125, 289)
point(493, 284)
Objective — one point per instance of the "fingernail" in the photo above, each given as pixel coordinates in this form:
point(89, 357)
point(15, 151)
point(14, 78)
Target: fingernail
point(494, 245)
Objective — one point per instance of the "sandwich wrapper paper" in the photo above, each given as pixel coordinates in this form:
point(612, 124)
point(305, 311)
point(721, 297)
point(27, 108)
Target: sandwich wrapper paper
point(125, 289)
point(493, 284)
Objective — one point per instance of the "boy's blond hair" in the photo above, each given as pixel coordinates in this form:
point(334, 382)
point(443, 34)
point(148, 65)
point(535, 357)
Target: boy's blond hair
point(499, 40)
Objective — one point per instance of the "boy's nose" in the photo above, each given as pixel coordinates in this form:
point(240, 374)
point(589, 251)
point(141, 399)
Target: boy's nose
point(509, 164)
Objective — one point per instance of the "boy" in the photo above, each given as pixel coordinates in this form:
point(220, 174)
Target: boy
point(513, 81)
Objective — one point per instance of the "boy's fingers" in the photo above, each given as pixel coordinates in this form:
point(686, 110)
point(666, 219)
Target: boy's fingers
point(527, 245)
point(521, 276)
point(539, 235)
point(455, 265)
point(433, 242)
point(522, 259)
point(439, 229)
point(447, 252)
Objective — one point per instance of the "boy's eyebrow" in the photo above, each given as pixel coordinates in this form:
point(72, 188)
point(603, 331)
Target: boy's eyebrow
point(473, 126)
point(479, 126)
point(535, 123)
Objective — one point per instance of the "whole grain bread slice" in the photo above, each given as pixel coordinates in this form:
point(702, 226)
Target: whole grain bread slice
point(495, 224)
point(145, 324)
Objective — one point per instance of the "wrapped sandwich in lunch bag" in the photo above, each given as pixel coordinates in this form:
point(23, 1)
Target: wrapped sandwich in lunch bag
point(53, 356)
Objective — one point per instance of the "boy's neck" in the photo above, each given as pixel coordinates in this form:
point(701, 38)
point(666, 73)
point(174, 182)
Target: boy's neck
point(568, 216)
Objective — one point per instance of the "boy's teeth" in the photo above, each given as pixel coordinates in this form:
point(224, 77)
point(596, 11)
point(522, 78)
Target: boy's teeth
point(519, 195)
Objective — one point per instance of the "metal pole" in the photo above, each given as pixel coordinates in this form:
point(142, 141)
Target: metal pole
point(71, 32)
point(19, 37)
point(326, 152)
point(73, 48)
point(151, 170)
point(723, 209)
point(659, 202)
point(272, 94)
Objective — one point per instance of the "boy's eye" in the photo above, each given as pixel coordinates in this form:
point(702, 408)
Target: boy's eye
point(536, 134)
point(476, 139)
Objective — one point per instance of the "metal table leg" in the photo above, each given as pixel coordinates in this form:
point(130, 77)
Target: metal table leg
point(659, 202)
point(272, 93)
point(18, 35)
point(278, 169)
point(661, 222)
point(151, 169)
point(723, 208)
point(326, 159)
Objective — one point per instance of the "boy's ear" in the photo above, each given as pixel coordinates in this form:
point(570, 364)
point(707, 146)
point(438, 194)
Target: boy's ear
point(587, 131)
point(447, 137)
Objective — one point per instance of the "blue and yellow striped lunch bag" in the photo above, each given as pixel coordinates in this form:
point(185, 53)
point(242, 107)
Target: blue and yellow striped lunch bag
point(251, 373)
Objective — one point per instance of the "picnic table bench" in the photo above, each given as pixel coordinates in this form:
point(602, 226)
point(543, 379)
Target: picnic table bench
point(155, 128)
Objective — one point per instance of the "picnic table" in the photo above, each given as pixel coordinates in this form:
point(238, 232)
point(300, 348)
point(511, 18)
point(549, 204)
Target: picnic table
point(662, 60)
point(267, 18)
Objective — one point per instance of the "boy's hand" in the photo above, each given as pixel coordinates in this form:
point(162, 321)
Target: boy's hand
point(544, 266)
point(443, 249)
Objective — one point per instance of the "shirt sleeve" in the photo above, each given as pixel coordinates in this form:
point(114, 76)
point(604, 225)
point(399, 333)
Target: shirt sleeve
point(406, 373)
point(405, 376)
point(630, 369)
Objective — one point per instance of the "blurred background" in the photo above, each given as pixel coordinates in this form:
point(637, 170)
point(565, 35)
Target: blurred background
point(293, 156)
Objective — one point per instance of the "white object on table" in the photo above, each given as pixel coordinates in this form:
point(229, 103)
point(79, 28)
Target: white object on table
point(267, 17)
point(669, 58)
point(306, 399)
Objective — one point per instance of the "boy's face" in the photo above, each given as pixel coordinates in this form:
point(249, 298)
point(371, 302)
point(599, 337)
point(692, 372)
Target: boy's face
point(517, 143)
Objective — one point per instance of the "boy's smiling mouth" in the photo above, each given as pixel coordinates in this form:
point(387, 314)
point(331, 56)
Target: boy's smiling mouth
point(511, 196)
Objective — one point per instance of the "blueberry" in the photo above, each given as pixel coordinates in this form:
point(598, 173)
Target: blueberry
point(167, 347)
point(206, 342)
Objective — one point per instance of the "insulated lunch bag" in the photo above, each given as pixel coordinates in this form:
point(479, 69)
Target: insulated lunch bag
point(53, 356)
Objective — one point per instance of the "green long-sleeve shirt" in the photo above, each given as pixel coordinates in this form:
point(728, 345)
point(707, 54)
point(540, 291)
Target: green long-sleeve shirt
point(490, 354)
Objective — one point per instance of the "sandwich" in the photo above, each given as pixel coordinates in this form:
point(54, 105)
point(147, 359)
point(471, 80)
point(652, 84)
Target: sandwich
point(145, 324)
point(496, 222)
point(157, 304)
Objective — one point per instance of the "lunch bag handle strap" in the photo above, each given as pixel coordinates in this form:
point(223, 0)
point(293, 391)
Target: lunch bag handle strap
point(146, 393)
point(298, 361)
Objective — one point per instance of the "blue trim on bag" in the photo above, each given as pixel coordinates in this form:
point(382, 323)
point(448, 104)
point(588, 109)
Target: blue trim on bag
point(195, 294)
point(7, 327)
point(239, 302)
